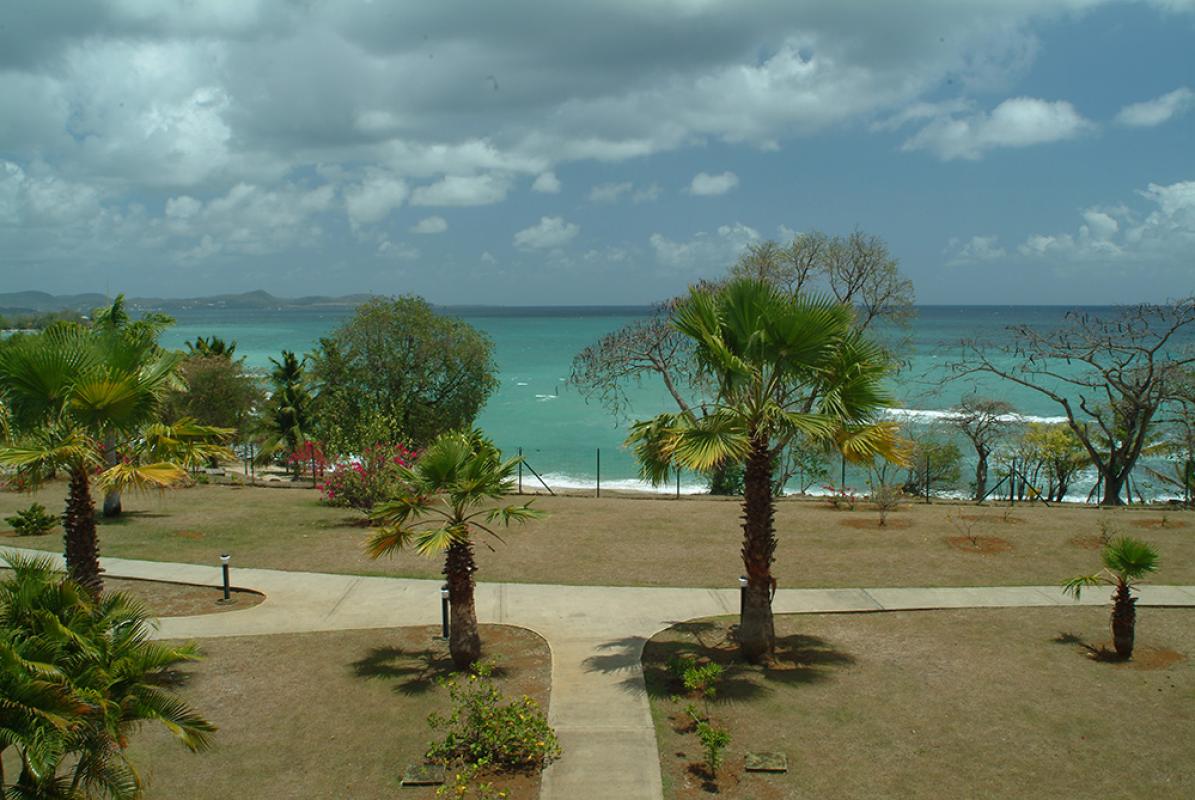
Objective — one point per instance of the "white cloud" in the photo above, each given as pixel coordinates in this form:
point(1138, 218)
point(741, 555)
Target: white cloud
point(1161, 109)
point(706, 185)
point(549, 232)
point(546, 183)
point(372, 200)
point(398, 251)
point(488, 258)
point(430, 225)
point(250, 220)
point(647, 194)
point(459, 190)
point(1017, 122)
point(977, 248)
point(1164, 232)
point(609, 192)
point(705, 252)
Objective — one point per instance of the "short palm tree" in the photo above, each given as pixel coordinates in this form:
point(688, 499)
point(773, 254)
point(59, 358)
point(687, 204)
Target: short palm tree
point(70, 392)
point(448, 497)
point(87, 674)
point(1126, 562)
point(783, 366)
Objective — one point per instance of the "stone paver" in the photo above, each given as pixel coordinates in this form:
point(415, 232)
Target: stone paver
point(598, 703)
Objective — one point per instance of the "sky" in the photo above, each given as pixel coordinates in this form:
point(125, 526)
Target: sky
point(585, 153)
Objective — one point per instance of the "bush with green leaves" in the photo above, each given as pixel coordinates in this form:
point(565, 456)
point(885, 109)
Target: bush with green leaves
point(465, 785)
point(714, 741)
point(33, 521)
point(485, 729)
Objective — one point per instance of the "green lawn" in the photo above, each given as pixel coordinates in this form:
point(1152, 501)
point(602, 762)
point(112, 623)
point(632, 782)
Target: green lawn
point(644, 541)
point(997, 703)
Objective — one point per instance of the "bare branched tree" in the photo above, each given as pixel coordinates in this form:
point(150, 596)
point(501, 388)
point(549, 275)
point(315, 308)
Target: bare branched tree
point(1110, 375)
point(984, 422)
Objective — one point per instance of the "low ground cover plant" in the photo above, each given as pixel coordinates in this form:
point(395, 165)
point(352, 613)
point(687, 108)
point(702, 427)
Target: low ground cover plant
point(32, 521)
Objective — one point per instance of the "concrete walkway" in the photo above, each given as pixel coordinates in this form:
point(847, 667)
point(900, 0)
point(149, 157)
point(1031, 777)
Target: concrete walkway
point(598, 703)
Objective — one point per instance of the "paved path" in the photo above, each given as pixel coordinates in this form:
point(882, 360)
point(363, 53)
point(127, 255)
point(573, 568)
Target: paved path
point(598, 703)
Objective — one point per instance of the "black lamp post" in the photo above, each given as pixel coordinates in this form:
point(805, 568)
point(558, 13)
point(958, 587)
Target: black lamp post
point(224, 558)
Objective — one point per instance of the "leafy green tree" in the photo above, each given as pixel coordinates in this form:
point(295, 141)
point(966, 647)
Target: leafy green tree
point(768, 352)
point(80, 674)
point(932, 463)
point(1126, 562)
point(214, 391)
point(70, 393)
point(450, 491)
point(401, 364)
point(1054, 452)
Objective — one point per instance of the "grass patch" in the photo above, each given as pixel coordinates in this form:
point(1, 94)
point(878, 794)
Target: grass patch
point(929, 704)
point(631, 541)
point(326, 714)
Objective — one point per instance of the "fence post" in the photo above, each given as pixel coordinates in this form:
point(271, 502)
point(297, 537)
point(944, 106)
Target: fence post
point(252, 461)
point(599, 472)
point(520, 470)
point(843, 482)
point(927, 478)
point(678, 481)
point(1012, 483)
point(1187, 476)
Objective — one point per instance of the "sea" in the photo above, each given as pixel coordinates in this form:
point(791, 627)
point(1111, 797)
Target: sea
point(567, 440)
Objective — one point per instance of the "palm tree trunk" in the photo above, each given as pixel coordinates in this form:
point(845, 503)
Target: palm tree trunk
point(757, 635)
point(1124, 620)
point(464, 642)
point(81, 540)
point(112, 507)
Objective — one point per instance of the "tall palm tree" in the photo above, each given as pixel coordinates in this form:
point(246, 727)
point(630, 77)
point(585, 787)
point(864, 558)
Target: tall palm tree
point(784, 366)
point(287, 422)
point(1126, 562)
point(68, 393)
point(446, 500)
point(88, 674)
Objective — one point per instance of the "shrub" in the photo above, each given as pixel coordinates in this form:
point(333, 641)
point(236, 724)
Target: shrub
point(362, 483)
point(33, 521)
point(485, 730)
point(841, 497)
point(726, 479)
point(462, 785)
point(714, 742)
point(886, 498)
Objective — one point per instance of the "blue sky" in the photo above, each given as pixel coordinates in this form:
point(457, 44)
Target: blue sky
point(594, 153)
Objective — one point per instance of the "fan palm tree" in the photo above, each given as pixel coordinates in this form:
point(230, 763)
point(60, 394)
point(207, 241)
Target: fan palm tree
point(1126, 562)
point(93, 674)
point(68, 392)
point(784, 366)
point(447, 498)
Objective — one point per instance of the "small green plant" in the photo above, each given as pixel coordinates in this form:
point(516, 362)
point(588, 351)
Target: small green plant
point(714, 742)
point(1108, 529)
point(485, 729)
point(1126, 562)
point(33, 521)
point(464, 785)
point(703, 679)
point(678, 665)
point(841, 498)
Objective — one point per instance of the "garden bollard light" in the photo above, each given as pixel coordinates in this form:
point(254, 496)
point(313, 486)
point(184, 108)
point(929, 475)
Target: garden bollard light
point(224, 558)
point(444, 611)
point(742, 596)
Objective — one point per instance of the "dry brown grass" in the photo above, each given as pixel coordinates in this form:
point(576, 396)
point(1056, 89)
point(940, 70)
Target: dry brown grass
point(638, 541)
point(930, 704)
point(325, 714)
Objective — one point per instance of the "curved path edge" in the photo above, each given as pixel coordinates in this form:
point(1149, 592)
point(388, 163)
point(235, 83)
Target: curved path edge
point(596, 634)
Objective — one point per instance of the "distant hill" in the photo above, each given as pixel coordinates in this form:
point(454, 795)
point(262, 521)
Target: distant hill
point(28, 302)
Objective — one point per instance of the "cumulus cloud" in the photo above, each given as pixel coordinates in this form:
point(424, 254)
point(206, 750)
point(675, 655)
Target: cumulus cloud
point(430, 225)
point(546, 183)
point(704, 252)
point(975, 249)
point(1162, 109)
point(460, 190)
point(548, 233)
point(706, 185)
point(250, 220)
point(609, 192)
point(372, 199)
point(1017, 122)
point(1162, 231)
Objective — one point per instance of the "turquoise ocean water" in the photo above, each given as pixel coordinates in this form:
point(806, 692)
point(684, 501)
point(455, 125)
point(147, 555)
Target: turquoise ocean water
point(560, 433)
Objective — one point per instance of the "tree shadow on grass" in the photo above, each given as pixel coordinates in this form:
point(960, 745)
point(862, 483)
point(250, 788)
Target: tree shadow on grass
point(127, 518)
point(1100, 653)
point(414, 672)
point(798, 659)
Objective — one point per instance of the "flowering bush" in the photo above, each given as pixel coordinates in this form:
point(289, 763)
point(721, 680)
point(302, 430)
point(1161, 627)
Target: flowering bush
point(483, 729)
point(841, 497)
point(372, 478)
point(309, 455)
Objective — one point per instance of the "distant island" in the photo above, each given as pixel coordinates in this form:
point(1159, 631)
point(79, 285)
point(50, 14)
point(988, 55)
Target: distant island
point(34, 302)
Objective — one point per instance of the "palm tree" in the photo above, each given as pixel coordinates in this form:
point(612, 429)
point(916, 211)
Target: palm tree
point(88, 674)
point(445, 501)
point(1126, 562)
point(213, 347)
point(784, 366)
point(287, 423)
point(68, 392)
